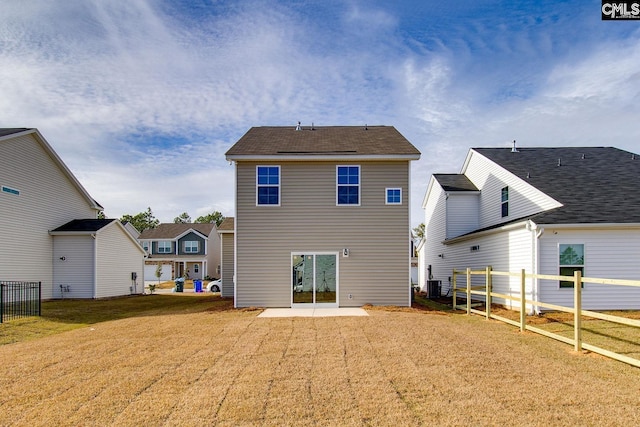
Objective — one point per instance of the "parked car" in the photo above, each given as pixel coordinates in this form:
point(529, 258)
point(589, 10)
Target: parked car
point(214, 285)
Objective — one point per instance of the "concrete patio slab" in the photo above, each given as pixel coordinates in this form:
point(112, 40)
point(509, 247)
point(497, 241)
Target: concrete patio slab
point(313, 312)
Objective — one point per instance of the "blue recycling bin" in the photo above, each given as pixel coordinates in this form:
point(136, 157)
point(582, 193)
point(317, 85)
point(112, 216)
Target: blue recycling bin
point(197, 285)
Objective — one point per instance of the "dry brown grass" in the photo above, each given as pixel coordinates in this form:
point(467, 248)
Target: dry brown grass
point(230, 368)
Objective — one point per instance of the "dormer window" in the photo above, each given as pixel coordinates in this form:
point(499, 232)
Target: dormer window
point(505, 201)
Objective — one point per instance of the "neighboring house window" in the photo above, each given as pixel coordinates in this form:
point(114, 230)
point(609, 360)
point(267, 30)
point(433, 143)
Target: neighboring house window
point(571, 259)
point(394, 196)
point(268, 185)
point(145, 246)
point(10, 190)
point(505, 201)
point(196, 268)
point(348, 185)
point(191, 247)
point(164, 247)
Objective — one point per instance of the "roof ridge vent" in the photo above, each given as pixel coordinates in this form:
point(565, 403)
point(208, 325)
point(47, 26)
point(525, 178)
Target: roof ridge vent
point(514, 149)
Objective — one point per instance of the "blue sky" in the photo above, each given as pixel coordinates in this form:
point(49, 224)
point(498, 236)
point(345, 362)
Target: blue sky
point(141, 98)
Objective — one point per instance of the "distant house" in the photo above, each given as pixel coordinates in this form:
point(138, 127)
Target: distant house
point(226, 230)
point(322, 216)
point(39, 194)
point(96, 258)
point(545, 210)
point(183, 250)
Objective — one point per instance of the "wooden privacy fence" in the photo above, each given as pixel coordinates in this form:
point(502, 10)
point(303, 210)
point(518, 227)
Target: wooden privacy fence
point(576, 310)
point(20, 299)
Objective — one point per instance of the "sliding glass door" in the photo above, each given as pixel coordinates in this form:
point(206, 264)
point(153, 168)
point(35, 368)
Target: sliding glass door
point(314, 279)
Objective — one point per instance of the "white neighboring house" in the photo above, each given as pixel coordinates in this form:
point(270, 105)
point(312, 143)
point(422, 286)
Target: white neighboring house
point(545, 210)
point(38, 193)
point(96, 258)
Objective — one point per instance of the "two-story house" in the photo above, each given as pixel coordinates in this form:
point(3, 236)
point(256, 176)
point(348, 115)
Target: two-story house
point(549, 211)
point(322, 216)
point(49, 227)
point(183, 250)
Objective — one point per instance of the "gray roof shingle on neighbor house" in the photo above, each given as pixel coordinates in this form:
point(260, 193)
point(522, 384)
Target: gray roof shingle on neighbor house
point(323, 141)
point(454, 182)
point(11, 131)
point(83, 225)
point(595, 184)
point(172, 230)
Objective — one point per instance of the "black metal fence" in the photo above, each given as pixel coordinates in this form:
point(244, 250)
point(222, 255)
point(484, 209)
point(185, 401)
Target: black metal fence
point(20, 299)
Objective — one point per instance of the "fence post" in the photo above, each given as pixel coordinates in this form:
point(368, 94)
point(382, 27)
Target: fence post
point(468, 291)
point(523, 301)
point(453, 284)
point(577, 305)
point(489, 287)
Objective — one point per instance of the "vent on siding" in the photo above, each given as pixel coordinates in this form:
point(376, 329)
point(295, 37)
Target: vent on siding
point(475, 248)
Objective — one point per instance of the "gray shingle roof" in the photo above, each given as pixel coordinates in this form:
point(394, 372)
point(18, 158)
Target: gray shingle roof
point(334, 141)
point(9, 131)
point(84, 225)
point(595, 184)
point(171, 230)
point(454, 182)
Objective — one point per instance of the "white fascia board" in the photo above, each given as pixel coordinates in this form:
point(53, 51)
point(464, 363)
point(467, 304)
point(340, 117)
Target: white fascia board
point(321, 157)
point(432, 180)
point(508, 227)
point(58, 161)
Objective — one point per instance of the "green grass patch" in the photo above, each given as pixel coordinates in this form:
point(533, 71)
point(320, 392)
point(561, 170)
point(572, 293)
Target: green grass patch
point(64, 315)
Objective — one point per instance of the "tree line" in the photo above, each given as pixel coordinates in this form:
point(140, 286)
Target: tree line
point(145, 220)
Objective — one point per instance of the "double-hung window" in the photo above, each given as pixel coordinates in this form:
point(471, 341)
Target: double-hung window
point(348, 185)
point(571, 259)
point(191, 246)
point(505, 201)
point(394, 196)
point(164, 247)
point(268, 185)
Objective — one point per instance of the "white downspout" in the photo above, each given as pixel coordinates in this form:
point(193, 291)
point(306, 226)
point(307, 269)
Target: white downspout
point(536, 233)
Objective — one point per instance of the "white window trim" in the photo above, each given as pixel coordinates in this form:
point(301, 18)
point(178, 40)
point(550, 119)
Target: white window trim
point(270, 185)
point(584, 262)
point(359, 185)
point(163, 252)
point(191, 252)
point(386, 196)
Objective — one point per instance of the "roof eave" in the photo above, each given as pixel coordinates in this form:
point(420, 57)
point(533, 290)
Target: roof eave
point(320, 157)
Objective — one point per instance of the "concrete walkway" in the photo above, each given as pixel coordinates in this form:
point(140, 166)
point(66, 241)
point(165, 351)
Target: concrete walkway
point(313, 312)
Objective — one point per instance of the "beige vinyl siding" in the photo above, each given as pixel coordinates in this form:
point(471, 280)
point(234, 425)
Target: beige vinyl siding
point(77, 269)
point(610, 254)
point(228, 264)
point(213, 256)
point(47, 200)
point(524, 199)
point(308, 220)
point(117, 257)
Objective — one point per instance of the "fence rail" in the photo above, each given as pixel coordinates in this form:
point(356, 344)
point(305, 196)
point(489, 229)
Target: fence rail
point(20, 299)
point(576, 310)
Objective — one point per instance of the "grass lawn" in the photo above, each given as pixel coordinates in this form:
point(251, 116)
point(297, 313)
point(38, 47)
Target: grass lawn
point(193, 360)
